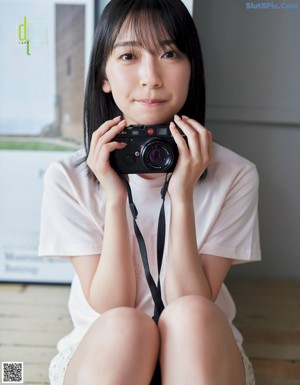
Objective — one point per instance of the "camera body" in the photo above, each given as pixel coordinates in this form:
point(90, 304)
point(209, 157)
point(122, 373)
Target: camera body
point(150, 149)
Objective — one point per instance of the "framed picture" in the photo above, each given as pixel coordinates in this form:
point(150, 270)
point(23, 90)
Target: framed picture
point(43, 60)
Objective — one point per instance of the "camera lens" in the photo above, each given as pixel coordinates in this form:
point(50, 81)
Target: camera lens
point(157, 155)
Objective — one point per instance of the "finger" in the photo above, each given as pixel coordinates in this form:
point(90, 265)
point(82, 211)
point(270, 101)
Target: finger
point(97, 134)
point(107, 125)
point(178, 138)
point(108, 148)
point(96, 138)
point(205, 136)
point(100, 163)
point(192, 135)
point(108, 136)
point(205, 140)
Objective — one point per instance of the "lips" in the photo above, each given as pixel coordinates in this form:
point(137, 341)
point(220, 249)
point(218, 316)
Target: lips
point(150, 102)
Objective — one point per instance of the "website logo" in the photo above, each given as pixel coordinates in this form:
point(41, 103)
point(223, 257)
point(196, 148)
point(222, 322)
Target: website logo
point(22, 35)
point(31, 33)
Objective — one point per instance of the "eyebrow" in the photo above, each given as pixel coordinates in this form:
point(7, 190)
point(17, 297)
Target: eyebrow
point(135, 43)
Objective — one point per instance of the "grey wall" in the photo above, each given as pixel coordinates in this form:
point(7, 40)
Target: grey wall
point(252, 60)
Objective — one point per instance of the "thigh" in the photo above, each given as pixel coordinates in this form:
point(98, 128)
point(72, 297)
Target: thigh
point(197, 345)
point(121, 347)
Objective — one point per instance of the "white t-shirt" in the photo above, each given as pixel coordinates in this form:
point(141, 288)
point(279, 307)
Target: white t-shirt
point(72, 223)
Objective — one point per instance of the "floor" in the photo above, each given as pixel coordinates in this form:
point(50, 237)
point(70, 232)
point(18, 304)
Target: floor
point(34, 317)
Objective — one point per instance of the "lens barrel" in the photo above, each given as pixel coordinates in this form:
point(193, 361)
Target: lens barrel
point(157, 155)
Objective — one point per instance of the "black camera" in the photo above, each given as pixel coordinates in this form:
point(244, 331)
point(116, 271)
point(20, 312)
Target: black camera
point(150, 149)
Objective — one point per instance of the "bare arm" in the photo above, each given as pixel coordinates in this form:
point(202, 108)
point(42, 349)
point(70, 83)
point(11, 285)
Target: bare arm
point(185, 273)
point(108, 281)
point(189, 273)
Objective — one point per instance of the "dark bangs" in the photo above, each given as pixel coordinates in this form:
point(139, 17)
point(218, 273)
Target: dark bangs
point(150, 22)
point(152, 28)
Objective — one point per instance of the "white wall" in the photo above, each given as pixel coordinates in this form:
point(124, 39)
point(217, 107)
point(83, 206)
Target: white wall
point(253, 97)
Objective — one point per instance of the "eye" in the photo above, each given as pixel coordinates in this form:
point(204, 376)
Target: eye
point(170, 55)
point(127, 57)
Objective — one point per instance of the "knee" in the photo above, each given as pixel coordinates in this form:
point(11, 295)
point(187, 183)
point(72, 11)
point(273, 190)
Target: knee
point(190, 312)
point(124, 335)
point(128, 325)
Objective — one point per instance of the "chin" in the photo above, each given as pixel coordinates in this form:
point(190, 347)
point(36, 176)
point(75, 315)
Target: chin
point(152, 175)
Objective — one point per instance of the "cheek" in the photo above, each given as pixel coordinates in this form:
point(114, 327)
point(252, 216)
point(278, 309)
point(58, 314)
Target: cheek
point(183, 83)
point(120, 82)
point(187, 76)
point(120, 95)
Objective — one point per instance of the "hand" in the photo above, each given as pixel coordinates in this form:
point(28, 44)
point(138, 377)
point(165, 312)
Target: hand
point(194, 156)
point(98, 158)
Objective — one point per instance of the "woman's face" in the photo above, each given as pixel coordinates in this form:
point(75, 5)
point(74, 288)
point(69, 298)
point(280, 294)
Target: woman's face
point(148, 87)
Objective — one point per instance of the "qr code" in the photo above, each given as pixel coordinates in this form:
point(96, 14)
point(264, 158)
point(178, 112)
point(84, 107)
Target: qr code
point(12, 372)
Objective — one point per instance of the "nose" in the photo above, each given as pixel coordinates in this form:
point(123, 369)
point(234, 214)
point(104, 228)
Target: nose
point(150, 74)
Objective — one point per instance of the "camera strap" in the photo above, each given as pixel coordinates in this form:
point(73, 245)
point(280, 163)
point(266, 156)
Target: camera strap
point(155, 289)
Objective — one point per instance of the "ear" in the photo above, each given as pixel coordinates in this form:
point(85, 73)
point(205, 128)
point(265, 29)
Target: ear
point(106, 86)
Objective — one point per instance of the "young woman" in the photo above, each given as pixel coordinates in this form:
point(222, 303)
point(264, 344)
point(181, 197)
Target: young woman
point(146, 68)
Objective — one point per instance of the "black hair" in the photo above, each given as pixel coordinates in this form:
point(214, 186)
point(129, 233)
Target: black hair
point(147, 18)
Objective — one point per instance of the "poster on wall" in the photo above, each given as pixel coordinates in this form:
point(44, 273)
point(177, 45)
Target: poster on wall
point(43, 60)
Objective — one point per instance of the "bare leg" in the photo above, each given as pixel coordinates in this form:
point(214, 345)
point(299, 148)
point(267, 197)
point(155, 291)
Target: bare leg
point(120, 348)
point(198, 346)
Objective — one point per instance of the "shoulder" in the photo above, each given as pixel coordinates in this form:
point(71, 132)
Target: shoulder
point(67, 180)
point(70, 172)
point(226, 156)
point(66, 168)
point(228, 165)
point(228, 200)
point(230, 178)
point(72, 210)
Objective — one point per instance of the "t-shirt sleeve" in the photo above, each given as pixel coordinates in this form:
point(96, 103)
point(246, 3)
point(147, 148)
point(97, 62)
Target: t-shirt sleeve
point(235, 232)
point(69, 224)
